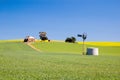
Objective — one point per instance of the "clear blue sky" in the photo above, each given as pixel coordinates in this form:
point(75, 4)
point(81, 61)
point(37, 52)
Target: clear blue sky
point(100, 19)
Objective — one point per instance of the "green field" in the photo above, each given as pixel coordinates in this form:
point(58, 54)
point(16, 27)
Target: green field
point(57, 61)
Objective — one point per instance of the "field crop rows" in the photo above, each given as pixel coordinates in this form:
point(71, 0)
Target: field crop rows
point(18, 61)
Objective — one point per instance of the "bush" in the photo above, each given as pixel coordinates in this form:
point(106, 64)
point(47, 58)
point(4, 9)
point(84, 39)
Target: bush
point(25, 40)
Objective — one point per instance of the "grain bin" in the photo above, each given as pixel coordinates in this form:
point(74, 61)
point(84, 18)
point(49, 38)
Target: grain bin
point(92, 51)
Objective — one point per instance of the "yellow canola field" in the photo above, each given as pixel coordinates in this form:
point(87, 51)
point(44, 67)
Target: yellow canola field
point(19, 40)
point(102, 43)
point(87, 43)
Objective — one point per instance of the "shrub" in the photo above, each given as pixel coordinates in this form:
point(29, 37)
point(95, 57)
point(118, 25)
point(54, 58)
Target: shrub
point(25, 40)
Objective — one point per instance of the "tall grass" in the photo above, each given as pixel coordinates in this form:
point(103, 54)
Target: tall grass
point(19, 62)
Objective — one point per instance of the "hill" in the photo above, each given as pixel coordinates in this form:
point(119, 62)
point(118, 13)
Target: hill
point(19, 61)
point(105, 48)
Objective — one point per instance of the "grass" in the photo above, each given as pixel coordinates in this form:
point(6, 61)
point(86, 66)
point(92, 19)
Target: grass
point(19, 62)
point(111, 48)
point(58, 47)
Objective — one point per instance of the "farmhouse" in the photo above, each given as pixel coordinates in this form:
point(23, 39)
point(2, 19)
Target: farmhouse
point(29, 39)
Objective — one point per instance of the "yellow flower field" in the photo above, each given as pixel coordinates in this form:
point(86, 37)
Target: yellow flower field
point(19, 40)
point(87, 43)
point(102, 43)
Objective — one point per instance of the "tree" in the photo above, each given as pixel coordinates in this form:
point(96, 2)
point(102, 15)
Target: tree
point(73, 39)
point(70, 40)
point(43, 36)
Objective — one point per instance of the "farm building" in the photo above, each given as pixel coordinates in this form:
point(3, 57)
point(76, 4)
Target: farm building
point(29, 39)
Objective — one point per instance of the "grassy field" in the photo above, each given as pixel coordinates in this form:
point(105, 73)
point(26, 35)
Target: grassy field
point(57, 61)
point(108, 48)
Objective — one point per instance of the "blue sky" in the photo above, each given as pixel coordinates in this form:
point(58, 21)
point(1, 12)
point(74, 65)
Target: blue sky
point(100, 19)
